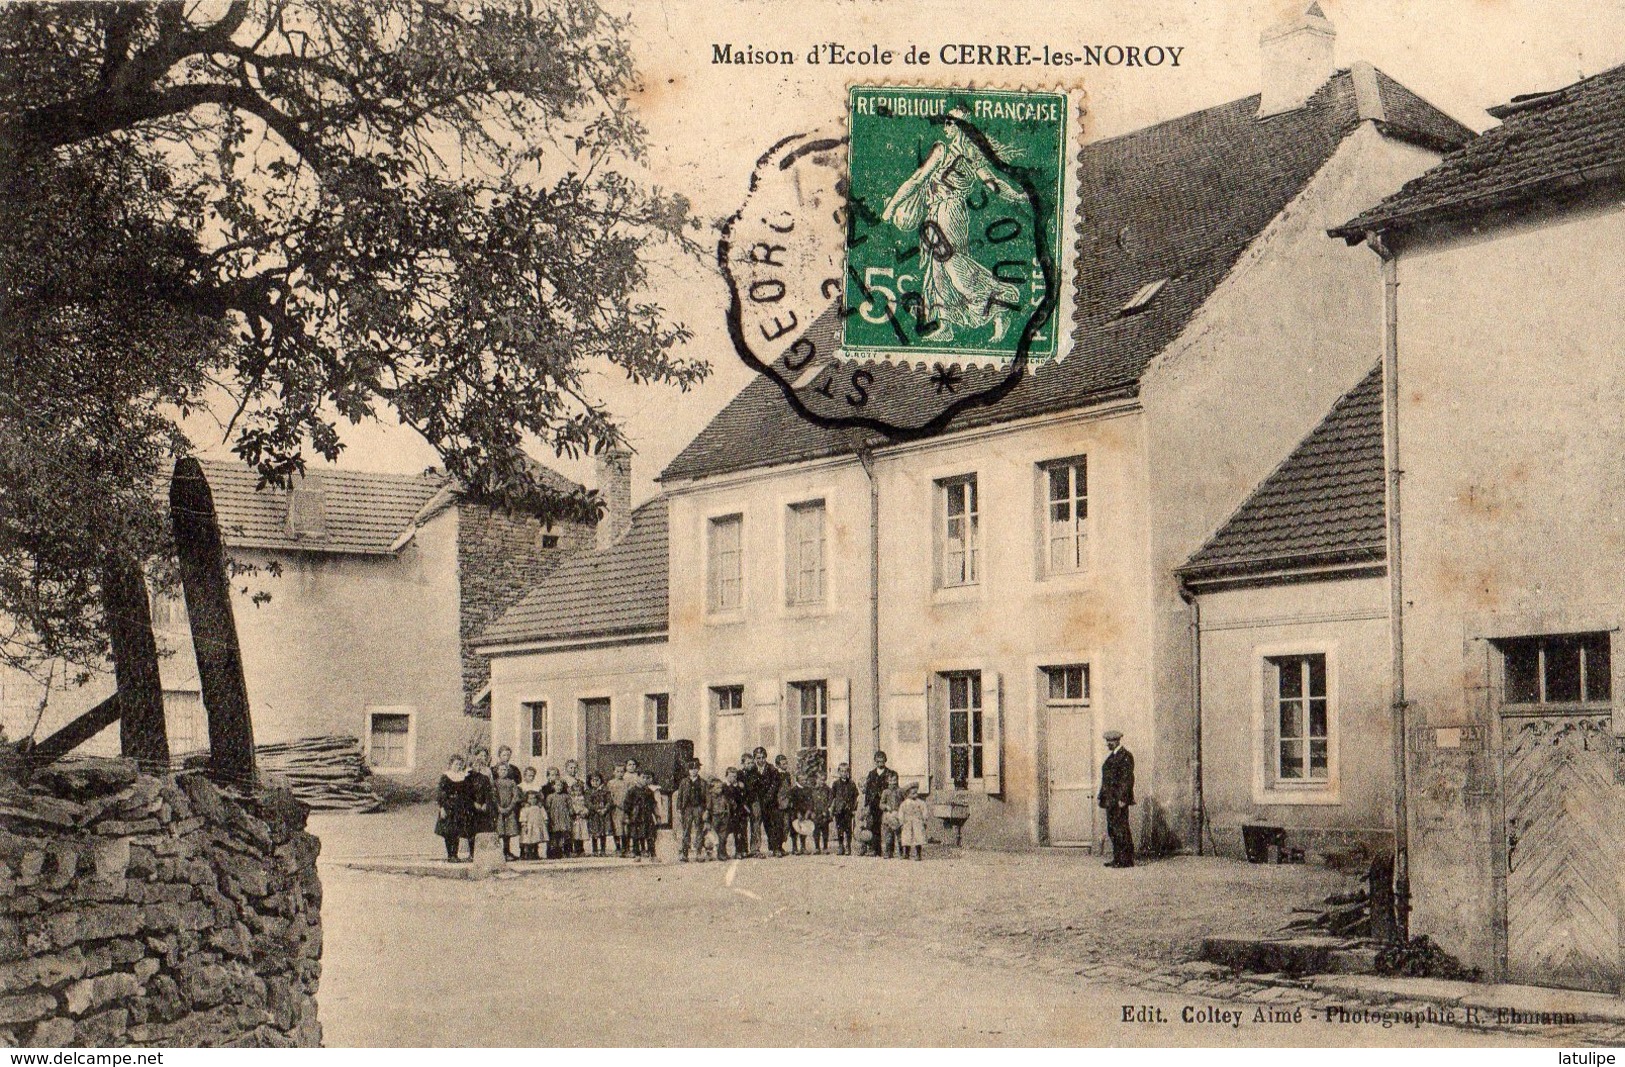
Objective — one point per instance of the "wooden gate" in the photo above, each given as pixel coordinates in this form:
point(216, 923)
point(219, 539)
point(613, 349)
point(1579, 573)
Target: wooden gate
point(1565, 836)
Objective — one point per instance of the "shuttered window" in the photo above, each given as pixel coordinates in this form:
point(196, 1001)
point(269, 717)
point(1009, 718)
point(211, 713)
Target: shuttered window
point(804, 553)
point(725, 555)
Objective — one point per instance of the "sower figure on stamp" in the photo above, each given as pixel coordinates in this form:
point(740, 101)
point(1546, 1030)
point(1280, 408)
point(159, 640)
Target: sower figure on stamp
point(1116, 794)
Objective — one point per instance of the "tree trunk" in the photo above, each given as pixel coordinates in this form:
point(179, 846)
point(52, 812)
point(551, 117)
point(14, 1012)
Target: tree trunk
point(214, 628)
point(142, 733)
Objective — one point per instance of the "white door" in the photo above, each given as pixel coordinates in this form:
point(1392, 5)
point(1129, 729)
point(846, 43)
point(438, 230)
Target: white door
point(1071, 732)
point(727, 740)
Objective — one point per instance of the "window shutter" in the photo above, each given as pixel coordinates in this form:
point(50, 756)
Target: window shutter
point(764, 697)
point(992, 733)
point(906, 727)
point(840, 722)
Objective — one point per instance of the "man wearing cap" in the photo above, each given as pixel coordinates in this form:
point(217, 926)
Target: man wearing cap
point(1116, 794)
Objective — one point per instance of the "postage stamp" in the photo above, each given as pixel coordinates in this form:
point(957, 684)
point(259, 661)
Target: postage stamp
point(953, 222)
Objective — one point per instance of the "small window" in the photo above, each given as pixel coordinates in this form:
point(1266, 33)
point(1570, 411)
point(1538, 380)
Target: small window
point(965, 751)
point(389, 736)
point(1066, 515)
point(725, 556)
point(1302, 718)
point(1142, 297)
point(307, 510)
point(804, 553)
point(1559, 669)
point(811, 703)
point(728, 699)
point(535, 720)
point(550, 540)
point(1068, 685)
point(657, 709)
point(959, 531)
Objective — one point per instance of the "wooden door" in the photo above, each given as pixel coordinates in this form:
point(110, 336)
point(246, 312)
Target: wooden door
point(1565, 834)
point(594, 732)
point(727, 739)
point(1072, 775)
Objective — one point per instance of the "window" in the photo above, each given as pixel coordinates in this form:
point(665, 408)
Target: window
point(725, 555)
point(389, 737)
point(1302, 720)
point(1066, 514)
point(657, 709)
point(535, 720)
point(168, 612)
point(965, 726)
point(728, 698)
point(804, 553)
point(1563, 669)
point(959, 533)
point(811, 704)
point(1068, 685)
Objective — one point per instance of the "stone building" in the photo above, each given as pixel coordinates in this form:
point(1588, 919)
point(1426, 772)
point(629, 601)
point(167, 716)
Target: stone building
point(1505, 417)
point(377, 586)
point(840, 591)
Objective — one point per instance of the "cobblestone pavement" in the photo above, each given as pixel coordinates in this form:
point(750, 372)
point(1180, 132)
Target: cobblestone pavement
point(966, 948)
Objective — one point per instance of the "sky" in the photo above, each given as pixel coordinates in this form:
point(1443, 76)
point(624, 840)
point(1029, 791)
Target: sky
point(708, 123)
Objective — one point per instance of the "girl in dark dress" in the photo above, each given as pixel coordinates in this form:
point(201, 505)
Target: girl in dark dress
point(456, 809)
point(598, 813)
point(482, 796)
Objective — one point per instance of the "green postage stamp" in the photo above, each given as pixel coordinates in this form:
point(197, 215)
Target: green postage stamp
point(953, 225)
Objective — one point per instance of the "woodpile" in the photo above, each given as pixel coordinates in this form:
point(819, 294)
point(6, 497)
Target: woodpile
point(327, 773)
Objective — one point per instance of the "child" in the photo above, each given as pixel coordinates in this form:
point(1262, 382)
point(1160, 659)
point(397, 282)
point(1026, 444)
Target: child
point(617, 799)
point(843, 805)
point(818, 805)
point(559, 818)
point(912, 812)
point(598, 817)
point(580, 831)
point(891, 798)
point(507, 793)
point(456, 810)
point(640, 817)
point(532, 818)
point(738, 815)
point(717, 819)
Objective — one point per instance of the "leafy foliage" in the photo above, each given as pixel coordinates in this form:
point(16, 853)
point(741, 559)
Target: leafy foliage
point(320, 210)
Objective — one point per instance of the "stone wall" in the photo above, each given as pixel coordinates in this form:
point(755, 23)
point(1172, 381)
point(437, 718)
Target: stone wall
point(500, 556)
point(137, 910)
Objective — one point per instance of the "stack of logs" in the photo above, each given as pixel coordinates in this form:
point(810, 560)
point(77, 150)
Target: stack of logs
point(327, 773)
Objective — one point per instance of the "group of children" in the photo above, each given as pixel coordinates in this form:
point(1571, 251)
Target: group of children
point(754, 810)
point(759, 808)
point(551, 819)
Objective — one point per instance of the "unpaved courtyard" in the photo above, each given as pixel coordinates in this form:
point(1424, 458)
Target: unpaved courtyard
point(966, 948)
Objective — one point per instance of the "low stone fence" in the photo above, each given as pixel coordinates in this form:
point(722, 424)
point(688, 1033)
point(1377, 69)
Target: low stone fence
point(137, 910)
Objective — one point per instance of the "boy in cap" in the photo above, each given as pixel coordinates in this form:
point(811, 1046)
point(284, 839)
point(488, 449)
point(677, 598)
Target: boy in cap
point(1116, 794)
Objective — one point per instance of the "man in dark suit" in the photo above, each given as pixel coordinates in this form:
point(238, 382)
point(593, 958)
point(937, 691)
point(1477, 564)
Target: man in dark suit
point(1116, 794)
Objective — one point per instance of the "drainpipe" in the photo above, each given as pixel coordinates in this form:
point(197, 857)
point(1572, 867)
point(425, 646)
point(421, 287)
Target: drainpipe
point(866, 458)
point(1198, 802)
point(1396, 573)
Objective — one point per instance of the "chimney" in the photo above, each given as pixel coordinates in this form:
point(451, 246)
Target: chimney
point(307, 509)
point(615, 486)
point(1298, 58)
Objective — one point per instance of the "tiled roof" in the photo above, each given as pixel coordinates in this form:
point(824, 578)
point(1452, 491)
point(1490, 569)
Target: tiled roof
point(1545, 144)
point(1180, 201)
point(363, 512)
point(617, 591)
point(1324, 503)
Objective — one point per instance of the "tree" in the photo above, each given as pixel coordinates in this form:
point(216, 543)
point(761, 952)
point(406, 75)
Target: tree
point(321, 210)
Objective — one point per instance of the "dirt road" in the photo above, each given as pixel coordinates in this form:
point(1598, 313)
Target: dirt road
point(971, 949)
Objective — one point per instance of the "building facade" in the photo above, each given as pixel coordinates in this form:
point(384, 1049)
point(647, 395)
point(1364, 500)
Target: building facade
point(1505, 389)
point(359, 598)
point(983, 603)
